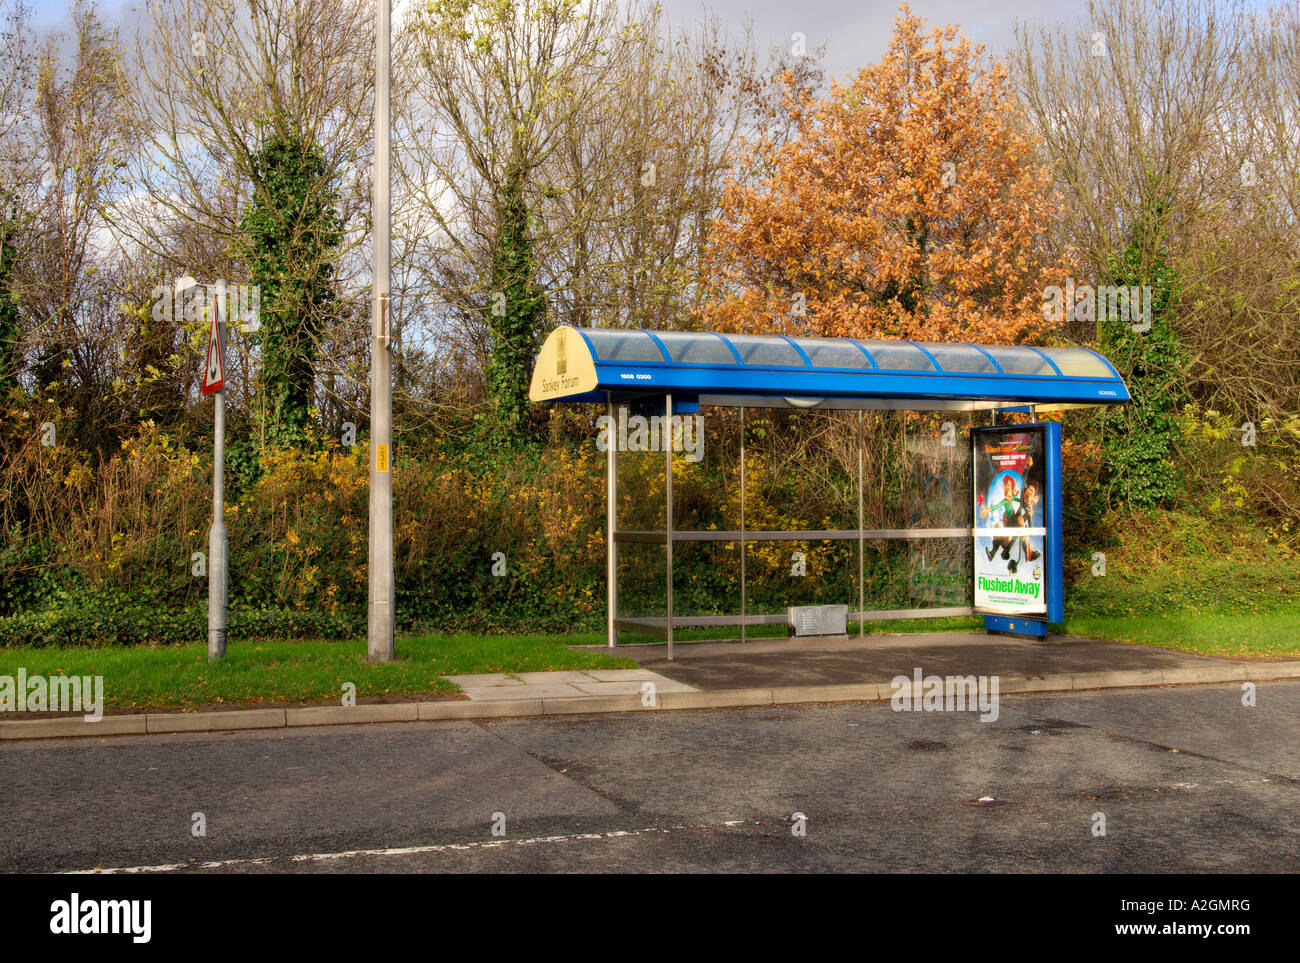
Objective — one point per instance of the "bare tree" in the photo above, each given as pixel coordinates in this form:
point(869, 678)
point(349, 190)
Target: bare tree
point(82, 136)
point(615, 131)
point(219, 80)
point(1186, 111)
point(1127, 104)
point(17, 183)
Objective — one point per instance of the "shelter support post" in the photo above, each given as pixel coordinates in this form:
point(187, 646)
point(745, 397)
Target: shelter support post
point(668, 497)
point(611, 526)
point(742, 523)
point(862, 588)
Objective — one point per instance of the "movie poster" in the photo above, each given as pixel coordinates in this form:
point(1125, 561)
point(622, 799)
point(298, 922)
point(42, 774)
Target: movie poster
point(1008, 470)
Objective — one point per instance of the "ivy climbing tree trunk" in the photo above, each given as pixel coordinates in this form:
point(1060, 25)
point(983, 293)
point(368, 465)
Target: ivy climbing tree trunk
point(292, 231)
point(1141, 437)
point(10, 322)
point(516, 311)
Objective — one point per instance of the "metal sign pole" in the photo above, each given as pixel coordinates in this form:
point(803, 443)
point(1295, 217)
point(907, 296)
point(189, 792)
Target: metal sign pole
point(217, 544)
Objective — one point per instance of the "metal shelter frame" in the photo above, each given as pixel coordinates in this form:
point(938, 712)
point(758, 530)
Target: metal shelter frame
point(688, 370)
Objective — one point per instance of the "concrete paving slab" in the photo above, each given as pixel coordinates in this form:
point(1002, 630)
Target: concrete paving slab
point(622, 675)
point(492, 693)
point(545, 678)
point(633, 687)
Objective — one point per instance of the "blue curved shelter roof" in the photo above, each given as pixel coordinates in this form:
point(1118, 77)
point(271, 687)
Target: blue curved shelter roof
point(593, 364)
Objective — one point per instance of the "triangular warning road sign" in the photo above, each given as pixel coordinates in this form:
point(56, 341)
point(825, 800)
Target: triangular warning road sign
point(214, 372)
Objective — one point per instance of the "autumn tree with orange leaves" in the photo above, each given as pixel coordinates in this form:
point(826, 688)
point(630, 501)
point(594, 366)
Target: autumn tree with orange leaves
point(908, 204)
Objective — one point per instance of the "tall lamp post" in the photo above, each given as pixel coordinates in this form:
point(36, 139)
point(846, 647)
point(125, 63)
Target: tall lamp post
point(380, 571)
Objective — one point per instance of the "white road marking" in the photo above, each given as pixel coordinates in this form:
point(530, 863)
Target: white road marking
point(1217, 782)
point(399, 850)
point(167, 867)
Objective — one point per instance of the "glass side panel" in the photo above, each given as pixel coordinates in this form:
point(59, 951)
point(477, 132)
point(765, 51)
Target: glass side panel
point(1078, 363)
point(961, 358)
point(829, 353)
point(1020, 361)
point(898, 356)
point(686, 347)
point(765, 349)
point(612, 344)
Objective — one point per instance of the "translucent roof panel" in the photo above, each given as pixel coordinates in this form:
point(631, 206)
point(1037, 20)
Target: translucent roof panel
point(961, 357)
point(1021, 361)
point(898, 356)
point(833, 353)
point(689, 348)
point(613, 344)
point(766, 349)
point(606, 364)
point(1079, 363)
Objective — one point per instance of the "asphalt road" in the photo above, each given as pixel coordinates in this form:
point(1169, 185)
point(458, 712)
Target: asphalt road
point(1187, 778)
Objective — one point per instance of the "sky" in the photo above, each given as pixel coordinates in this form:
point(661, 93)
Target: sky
point(855, 32)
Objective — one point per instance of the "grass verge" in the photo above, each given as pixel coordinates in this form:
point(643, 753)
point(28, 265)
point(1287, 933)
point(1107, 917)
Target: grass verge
point(261, 674)
point(1272, 634)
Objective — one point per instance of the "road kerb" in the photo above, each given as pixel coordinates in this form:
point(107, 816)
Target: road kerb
point(214, 721)
point(1020, 685)
point(1266, 671)
point(598, 703)
point(497, 709)
point(352, 715)
point(869, 692)
point(74, 726)
point(1116, 679)
point(174, 722)
point(716, 699)
point(1183, 675)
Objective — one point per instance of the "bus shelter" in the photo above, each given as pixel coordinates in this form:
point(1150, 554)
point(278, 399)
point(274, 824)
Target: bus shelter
point(1016, 515)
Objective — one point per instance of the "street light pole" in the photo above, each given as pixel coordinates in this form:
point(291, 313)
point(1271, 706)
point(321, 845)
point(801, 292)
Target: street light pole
point(380, 616)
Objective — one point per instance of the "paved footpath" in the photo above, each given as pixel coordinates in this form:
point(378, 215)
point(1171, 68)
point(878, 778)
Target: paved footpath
point(499, 686)
point(879, 658)
point(717, 675)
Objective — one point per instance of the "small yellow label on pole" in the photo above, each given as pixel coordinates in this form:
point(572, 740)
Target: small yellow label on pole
point(381, 458)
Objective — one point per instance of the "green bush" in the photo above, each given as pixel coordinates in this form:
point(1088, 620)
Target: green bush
point(25, 579)
point(97, 622)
